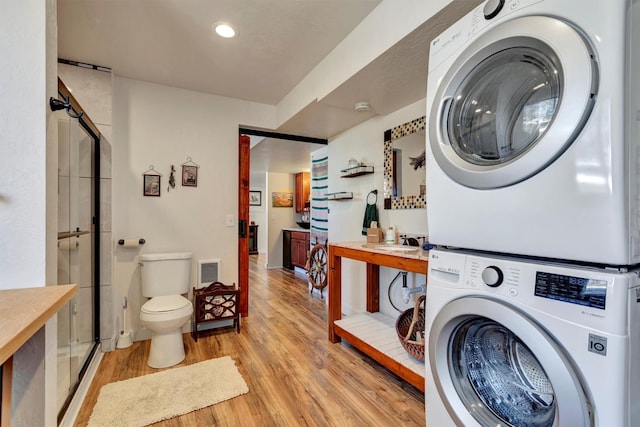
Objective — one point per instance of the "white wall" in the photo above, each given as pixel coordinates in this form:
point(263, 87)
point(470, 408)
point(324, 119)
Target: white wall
point(279, 218)
point(162, 126)
point(365, 143)
point(28, 157)
point(258, 214)
point(23, 87)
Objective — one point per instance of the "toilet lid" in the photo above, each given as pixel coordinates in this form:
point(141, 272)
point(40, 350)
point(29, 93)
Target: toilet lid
point(165, 303)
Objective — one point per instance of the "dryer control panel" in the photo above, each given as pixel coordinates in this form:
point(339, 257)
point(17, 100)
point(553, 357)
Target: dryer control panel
point(472, 23)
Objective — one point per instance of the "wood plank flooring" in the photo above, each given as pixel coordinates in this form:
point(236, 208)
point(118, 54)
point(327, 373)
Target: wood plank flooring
point(296, 377)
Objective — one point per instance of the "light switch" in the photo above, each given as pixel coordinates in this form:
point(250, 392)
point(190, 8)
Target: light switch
point(228, 220)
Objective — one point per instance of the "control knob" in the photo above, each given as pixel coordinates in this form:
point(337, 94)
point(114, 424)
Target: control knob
point(492, 276)
point(492, 8)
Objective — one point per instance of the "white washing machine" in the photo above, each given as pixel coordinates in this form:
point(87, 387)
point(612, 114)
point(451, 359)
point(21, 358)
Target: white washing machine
point(511, 342)
point(533, 110)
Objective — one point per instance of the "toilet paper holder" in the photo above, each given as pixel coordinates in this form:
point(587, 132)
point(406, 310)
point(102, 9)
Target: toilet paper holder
point(140, 242)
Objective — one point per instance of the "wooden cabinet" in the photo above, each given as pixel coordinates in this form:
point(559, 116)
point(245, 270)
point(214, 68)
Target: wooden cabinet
point(300, 242)
point(286, 249)
point(303, 190)
point(253, 239)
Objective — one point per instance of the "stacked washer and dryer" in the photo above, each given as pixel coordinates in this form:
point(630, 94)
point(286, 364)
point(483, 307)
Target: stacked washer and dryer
point(533, 173)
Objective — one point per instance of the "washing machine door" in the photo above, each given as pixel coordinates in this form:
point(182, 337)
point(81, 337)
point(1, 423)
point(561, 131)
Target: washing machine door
point(494, 366)
point(512, 102)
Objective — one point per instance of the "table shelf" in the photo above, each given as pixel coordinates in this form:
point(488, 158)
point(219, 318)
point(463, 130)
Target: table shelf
point(379, 332)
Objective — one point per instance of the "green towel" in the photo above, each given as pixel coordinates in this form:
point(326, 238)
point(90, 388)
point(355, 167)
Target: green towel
point(370, 214)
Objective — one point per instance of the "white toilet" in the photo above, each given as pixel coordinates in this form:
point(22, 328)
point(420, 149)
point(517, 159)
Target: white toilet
point(165, 278)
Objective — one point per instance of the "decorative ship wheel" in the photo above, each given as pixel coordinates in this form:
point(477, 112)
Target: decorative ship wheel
point(318, 268)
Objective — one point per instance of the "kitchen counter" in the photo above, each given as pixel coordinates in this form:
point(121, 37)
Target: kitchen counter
point(23, 313)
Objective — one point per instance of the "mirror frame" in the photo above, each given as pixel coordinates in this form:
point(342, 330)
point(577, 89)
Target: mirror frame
point(390, 135)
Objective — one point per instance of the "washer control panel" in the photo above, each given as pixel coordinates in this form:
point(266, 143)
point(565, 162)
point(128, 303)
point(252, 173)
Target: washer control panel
point(590, 296)
point(501, 277)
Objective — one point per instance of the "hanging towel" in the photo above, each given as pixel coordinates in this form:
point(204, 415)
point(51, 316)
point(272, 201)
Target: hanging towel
point(370, 214)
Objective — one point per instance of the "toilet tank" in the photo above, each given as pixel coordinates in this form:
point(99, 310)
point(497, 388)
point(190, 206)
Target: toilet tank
point(165, 273)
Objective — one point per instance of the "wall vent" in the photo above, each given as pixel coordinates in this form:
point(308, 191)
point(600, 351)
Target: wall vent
point(208, 272)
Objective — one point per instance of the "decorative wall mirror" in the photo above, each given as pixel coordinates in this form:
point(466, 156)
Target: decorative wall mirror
point(404, 166)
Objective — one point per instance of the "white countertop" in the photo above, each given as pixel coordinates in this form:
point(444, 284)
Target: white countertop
point(415, 252)
point(304, 230)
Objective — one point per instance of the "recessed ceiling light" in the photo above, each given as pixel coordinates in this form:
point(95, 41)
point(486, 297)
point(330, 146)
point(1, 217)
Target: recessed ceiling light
point(224, 30)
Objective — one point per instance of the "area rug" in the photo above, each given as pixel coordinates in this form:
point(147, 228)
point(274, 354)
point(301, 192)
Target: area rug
point(162, 395)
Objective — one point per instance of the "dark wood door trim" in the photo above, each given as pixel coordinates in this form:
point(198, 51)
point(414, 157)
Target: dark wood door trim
point(244, 152)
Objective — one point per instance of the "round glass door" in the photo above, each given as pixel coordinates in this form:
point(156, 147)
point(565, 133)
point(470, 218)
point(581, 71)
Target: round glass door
point(504, 106)
point(512, 103)
point(491, 365)
point(495, 366)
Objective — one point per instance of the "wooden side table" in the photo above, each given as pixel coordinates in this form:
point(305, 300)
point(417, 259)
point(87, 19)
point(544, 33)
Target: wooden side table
point(374, 258)
point(214, 303)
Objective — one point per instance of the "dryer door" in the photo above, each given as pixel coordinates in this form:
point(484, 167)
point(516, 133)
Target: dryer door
point(512, 102)
point(492, 365)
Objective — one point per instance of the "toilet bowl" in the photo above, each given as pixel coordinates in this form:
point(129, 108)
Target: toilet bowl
point(165, 316)
point(165, 279)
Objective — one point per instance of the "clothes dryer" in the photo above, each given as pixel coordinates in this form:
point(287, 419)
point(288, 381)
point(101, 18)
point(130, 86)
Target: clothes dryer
point(533, 110)
point(511, 342)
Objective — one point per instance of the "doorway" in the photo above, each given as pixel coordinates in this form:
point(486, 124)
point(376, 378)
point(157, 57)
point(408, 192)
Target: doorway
point(275, 162)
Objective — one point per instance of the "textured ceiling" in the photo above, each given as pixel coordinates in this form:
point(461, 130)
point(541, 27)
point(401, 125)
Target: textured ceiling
point(170, 41)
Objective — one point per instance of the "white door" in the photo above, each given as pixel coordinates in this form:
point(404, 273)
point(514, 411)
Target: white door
point(512, 102)
point(493, 365)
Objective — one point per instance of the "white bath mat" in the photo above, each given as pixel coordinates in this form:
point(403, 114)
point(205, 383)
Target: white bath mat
point(162, 395)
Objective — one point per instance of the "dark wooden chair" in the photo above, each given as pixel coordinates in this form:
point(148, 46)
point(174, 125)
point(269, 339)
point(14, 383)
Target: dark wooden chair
point(214, 303)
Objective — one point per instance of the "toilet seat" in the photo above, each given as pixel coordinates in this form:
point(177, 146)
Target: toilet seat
point(165, 303)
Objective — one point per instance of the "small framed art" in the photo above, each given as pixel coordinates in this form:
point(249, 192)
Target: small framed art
point(255, 198)
point(189, 176)
point(282, 199)
point(151, 185)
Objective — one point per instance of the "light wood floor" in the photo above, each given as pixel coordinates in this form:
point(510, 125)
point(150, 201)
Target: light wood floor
point(296, 377)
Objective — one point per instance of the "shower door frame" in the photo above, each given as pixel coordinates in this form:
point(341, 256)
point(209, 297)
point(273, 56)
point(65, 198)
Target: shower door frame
point(94, 133)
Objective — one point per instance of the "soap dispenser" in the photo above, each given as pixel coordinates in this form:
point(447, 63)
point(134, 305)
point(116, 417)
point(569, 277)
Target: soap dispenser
point(390, 236)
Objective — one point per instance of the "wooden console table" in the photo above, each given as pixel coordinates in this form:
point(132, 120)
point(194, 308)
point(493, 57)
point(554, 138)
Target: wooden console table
point(379, 325)
point(23, 313)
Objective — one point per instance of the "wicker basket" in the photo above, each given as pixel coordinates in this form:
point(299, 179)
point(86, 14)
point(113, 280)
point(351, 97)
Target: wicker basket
point(410, 329)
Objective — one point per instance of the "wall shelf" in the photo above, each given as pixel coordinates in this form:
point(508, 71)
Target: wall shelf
point(342, 195)
point(356, 171)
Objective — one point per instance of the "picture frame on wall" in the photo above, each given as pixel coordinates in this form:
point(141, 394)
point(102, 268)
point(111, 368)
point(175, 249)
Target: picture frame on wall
point(189, 176)
point(151, 185)
point(255, 198)
point(282, 199)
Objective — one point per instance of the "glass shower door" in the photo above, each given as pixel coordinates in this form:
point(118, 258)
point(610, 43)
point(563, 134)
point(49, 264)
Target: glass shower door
point(77, 333)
